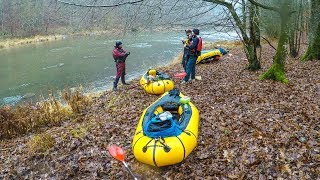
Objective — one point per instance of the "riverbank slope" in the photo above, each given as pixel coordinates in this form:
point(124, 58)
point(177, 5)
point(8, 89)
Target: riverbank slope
point(248, 129)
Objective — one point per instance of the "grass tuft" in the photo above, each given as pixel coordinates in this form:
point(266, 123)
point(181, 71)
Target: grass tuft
point(79, 132)
point(76, 100)
point(40, 143)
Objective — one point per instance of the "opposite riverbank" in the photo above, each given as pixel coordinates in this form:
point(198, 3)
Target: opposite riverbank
point(16, 42)
point(248, 129)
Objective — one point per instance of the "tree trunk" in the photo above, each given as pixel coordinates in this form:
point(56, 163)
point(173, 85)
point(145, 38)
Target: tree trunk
point(251, 53)
point(313, 51)
point(256, 25)
point(296, 29)
point(251, 46)
point(276, 71)
point(248, 43)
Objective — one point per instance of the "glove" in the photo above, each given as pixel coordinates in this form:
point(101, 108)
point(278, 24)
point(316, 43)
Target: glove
point(126, 55)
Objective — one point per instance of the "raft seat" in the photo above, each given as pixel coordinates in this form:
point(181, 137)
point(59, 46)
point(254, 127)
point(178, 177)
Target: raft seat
point(173, 108)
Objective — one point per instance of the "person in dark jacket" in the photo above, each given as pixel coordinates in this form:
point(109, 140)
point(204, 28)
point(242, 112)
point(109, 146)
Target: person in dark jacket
point(192, 57)
point(120, 56)
point(186, 48)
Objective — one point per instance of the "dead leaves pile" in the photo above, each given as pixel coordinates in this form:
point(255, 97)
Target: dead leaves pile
point(248, 129)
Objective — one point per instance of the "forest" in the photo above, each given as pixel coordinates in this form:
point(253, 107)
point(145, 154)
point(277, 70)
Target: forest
point(259, 106)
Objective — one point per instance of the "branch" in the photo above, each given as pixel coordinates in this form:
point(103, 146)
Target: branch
point(98, 6)
point(220, 2)
point(234, 15)
point(268, 42)
point(264, 6)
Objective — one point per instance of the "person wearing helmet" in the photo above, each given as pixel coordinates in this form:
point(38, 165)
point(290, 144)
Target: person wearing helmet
point(119, 56)
point(192, 57)
point(152, 75)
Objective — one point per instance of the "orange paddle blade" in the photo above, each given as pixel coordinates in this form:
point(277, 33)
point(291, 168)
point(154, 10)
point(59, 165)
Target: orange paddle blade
point(180, 75)
point(116, 152)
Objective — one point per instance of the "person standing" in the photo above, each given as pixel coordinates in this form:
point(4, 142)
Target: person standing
point(192, 57)
point(120, 56)
point(186, 48)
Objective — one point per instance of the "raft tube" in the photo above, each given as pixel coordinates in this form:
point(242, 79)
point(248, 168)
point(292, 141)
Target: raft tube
point(160, 85)
point(214, 54)
point(168, 150)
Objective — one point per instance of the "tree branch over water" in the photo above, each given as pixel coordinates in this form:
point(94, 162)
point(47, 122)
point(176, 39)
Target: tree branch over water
point(264, 6)
point(99, 6)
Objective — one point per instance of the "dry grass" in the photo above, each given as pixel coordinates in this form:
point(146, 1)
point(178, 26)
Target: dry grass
point(40, 143)
point(36, 39)
point(26, 118)
point(224, 44)
point(76, 101)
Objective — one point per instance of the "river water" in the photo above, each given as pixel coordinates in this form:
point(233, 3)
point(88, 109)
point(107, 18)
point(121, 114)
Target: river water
point(32, 71)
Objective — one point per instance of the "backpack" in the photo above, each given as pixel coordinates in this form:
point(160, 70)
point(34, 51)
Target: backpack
point(199, 46)
point(156, 128)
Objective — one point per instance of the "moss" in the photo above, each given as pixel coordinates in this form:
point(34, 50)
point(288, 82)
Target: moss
point(275, 73)
point(313, 51)
point(40, 143)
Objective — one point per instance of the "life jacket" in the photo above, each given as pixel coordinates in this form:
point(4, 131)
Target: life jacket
point(198, 49)
point(199, 46)
point(119, 55)
point(186, 42)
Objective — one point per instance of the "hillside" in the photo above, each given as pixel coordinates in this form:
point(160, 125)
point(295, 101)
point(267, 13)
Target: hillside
point(248, 129)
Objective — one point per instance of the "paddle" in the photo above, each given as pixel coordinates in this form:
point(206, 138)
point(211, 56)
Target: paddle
point(118, 153)
point(180, 75)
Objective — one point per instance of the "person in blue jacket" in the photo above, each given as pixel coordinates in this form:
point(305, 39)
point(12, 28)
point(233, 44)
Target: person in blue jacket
point(192, 57)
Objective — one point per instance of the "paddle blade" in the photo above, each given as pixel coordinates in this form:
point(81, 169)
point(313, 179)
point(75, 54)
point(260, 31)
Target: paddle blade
point(180, 75)
point(116, 152)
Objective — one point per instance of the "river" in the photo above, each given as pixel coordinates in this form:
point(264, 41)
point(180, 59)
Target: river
point(33, 71)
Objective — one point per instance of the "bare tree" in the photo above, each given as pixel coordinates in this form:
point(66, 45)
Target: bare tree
point(249, 40)
point(277, 71)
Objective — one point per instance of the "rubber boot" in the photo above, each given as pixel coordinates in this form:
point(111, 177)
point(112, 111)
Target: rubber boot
point(123, 80)
point(115, 84)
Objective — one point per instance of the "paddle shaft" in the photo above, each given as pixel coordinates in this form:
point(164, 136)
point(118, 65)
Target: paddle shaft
point(128, 169)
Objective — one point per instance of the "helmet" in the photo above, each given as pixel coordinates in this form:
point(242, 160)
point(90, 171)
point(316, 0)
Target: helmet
point(196, 31)
point(152, 72)
point(118, 43)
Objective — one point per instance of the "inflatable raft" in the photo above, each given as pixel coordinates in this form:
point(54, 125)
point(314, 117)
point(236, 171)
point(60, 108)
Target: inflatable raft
point(154, 82)
point(161, 142)
point(207, 55)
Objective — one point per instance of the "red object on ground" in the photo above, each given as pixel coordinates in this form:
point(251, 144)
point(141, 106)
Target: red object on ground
point(116, 152)
point(216, 58)
point(180, 75)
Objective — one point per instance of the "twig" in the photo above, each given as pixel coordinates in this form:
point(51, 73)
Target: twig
point(269, 42)
point(5, 149)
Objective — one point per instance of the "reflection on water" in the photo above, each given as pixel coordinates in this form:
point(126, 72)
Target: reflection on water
point(49, 67)
point(54, 66)
point(89, 57)
point(140, 45)
point(11, 100)
point(60, 49)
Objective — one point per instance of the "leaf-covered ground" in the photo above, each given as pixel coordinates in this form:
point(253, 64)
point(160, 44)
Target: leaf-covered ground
point(249, 129)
